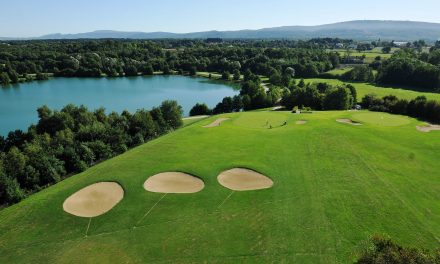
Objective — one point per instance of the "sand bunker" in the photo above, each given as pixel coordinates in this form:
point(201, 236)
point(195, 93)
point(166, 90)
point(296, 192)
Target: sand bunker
point(348, 121)
point(173, 182)
point(216, 122)
point(94, 200)
point(428, 128)
point(244, 180)
point(300, 122)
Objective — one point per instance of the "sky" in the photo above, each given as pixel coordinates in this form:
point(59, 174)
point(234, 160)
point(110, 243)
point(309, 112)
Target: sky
point(30, 18)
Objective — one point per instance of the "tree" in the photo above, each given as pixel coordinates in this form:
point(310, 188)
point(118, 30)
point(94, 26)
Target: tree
point(10, 191)
point(172, 113)
point(4, 78)
point(338, 98)
point(226, 75)
point(14, 164)
point(199, 109)
point(275, 78)
point(192, 71)
point(237, 103)
point(131, 70)
point(141, 122)
point(166, 69)
point(147, 69)
point(386, 50)
point(41, 76)
point(237, 75)
point(359, 73)
point(246, 99)
point(370, 100)
point(289, 71)
point(310, 70)
point(227, 104)
point(13, 76)
point(353, 92)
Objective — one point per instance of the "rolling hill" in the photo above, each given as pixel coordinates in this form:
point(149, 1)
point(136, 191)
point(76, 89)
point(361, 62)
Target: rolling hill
point(334, 185)
point(358, 30)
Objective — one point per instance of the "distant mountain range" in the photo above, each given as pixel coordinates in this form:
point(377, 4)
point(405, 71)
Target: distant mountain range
point(358, 30)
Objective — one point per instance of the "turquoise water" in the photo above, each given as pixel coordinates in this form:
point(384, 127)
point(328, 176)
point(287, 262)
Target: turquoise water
point(18, 104)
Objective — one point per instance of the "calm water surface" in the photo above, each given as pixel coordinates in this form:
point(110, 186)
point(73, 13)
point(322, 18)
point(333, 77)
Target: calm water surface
point(18, 103)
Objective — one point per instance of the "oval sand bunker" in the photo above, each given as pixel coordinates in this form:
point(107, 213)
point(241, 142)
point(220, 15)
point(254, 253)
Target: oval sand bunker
point(239, 179)
point(94, 200)
point(348, 121)
point(428, 128)
point(173, 182)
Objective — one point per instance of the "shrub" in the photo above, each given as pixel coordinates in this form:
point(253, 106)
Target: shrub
point(199, 109)
point(383, 250)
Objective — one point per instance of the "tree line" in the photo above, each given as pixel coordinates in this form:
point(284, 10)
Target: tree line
point(27, 60)
point(253, 95)
point(409, 68)
point(418, 107)
point(406, 67)
point(71, 140)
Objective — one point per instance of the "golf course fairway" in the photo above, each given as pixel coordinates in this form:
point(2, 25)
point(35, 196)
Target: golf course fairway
point(334, 185)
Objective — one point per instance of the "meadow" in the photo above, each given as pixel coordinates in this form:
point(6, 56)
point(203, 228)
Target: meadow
point(370, 55)
point(335, 185)
point(369, 88)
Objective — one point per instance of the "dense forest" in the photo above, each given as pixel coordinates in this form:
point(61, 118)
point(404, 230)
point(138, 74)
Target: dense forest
point(410, 68)
point(28, 60)
point(319, 96)
point(20, 60)
point(71, 140)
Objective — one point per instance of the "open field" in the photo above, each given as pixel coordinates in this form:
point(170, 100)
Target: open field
point(334, 185)
point(366, 88)
point(339, 72)
point(370, 55)
point(192, 119)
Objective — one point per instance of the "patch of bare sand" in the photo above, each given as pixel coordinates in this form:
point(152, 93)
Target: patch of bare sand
point(276, 108)
point(428, 128)
point(195, 117)
point(173, 182)
point(348, 121)
point(216, 122)
point(94, 200)
point(300, 122)
point(239, 179)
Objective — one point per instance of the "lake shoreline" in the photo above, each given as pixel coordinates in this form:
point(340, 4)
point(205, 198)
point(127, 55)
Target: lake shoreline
point(20, 102)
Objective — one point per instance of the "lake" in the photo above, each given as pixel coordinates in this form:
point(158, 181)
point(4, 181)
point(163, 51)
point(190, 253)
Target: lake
point(18, 103)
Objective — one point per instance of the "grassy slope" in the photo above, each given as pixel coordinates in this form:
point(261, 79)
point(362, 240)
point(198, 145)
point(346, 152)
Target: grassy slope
point(366, 88)
point(192, 120)
point(339, 72)
point(335, 184)
point(370, 55)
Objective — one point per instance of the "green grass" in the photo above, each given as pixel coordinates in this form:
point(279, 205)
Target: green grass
point(339, 72)
point(261, 120)
point(366, 88)
point(192, 120)
point(370, 55)
point(381, 119)
point(206, 75)
point(334, 186)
